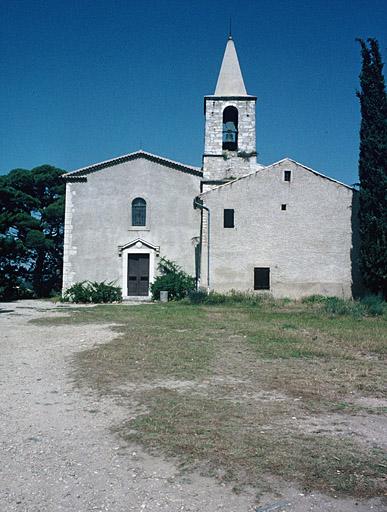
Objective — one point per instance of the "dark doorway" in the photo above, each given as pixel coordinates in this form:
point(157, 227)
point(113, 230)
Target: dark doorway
point(138, 274)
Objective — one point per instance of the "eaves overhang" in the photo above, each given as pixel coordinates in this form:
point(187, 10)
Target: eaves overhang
point(226, 98)
point(84, 171)
point(267, 167)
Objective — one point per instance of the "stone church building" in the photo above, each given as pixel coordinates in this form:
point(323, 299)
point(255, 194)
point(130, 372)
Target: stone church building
point(234, 224)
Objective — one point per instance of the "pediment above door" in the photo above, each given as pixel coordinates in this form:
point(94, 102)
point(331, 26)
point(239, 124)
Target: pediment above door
point(138, 243)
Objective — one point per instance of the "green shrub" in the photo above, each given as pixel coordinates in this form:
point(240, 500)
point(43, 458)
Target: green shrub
point(14, 287)
point(173, 279)
point(233, 297)
point(337, 306)
point(314, 299)
point(371, 305)
point(374, 305)
point(78, 292)
point(216, 298)
point(105, 292)
point(197, 296)
point(248, 298)
point(88, 292)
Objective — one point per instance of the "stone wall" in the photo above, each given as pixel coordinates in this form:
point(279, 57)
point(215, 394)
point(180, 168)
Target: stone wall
point(219, 164)
point(69, 250)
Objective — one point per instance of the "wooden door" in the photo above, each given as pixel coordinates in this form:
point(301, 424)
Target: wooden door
point(138, 274)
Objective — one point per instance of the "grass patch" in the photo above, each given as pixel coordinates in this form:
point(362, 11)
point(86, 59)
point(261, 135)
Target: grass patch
point(277, 345)
point(221, 383)
point(232, 298)
point(371, 305)
point(152, 342)
point(229, 435)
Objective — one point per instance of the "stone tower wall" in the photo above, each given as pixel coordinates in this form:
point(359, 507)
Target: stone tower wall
point(219, 164)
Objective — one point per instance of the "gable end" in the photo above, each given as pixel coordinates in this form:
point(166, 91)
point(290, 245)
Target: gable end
point(81, 173)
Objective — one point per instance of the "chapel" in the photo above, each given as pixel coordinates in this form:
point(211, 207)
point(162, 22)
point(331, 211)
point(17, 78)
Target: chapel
point(234, 224)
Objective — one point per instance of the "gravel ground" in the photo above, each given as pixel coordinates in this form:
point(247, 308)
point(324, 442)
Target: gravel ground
point(57, 452)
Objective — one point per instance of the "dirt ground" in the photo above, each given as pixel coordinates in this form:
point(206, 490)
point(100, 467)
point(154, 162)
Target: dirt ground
point(58, 452)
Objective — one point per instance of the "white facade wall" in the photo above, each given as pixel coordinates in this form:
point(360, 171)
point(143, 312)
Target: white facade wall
point(308, 247)
point(98, 219)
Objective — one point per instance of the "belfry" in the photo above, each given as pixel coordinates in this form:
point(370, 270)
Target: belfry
point(230, 137)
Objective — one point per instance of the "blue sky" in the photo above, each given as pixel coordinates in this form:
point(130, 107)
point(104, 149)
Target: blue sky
point(84, 81)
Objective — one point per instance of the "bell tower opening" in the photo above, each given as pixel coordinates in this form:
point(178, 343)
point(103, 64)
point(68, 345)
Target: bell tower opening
point(230, 129)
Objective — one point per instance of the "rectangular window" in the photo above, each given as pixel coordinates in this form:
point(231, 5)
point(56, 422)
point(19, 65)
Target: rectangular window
point(228, 218)
point(283, 207)
point(262, 278)
point(287, 175)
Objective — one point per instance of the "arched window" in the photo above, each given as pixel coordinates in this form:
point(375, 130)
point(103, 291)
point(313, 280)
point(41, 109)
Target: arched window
point(230, 128)
point(139, 212)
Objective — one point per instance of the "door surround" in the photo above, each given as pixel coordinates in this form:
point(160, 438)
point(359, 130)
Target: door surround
point(137, 246)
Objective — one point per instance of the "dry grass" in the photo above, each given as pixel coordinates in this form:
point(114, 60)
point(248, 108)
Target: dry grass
point(223, 387)
point(242, 442)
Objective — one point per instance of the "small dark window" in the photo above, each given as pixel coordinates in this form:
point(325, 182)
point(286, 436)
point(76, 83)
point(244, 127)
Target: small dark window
point(228, 218)
point(139, 212)
point(261, 278)
point(283, 206)
point(287, 175)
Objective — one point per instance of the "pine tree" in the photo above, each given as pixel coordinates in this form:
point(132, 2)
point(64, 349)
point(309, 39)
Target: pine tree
point(31, 230)
point(373, 169)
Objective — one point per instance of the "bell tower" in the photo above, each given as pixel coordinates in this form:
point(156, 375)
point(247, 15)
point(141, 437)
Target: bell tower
point(230, 145)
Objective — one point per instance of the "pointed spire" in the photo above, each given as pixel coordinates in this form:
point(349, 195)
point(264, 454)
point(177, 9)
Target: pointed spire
point(230, 80)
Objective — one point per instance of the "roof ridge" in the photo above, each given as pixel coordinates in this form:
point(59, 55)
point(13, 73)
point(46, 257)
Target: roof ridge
point(130, 156)
point(317, 173)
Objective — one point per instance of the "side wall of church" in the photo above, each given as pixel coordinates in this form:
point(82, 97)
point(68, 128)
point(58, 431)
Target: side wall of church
point(308, 246)
point(219, 164)
point(98, 219)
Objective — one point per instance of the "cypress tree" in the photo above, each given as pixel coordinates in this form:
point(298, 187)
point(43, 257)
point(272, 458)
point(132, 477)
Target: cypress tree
point(373, 169)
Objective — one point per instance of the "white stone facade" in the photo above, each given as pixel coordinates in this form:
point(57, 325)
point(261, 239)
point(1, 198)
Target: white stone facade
point(69, 249)
point(99, 233)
